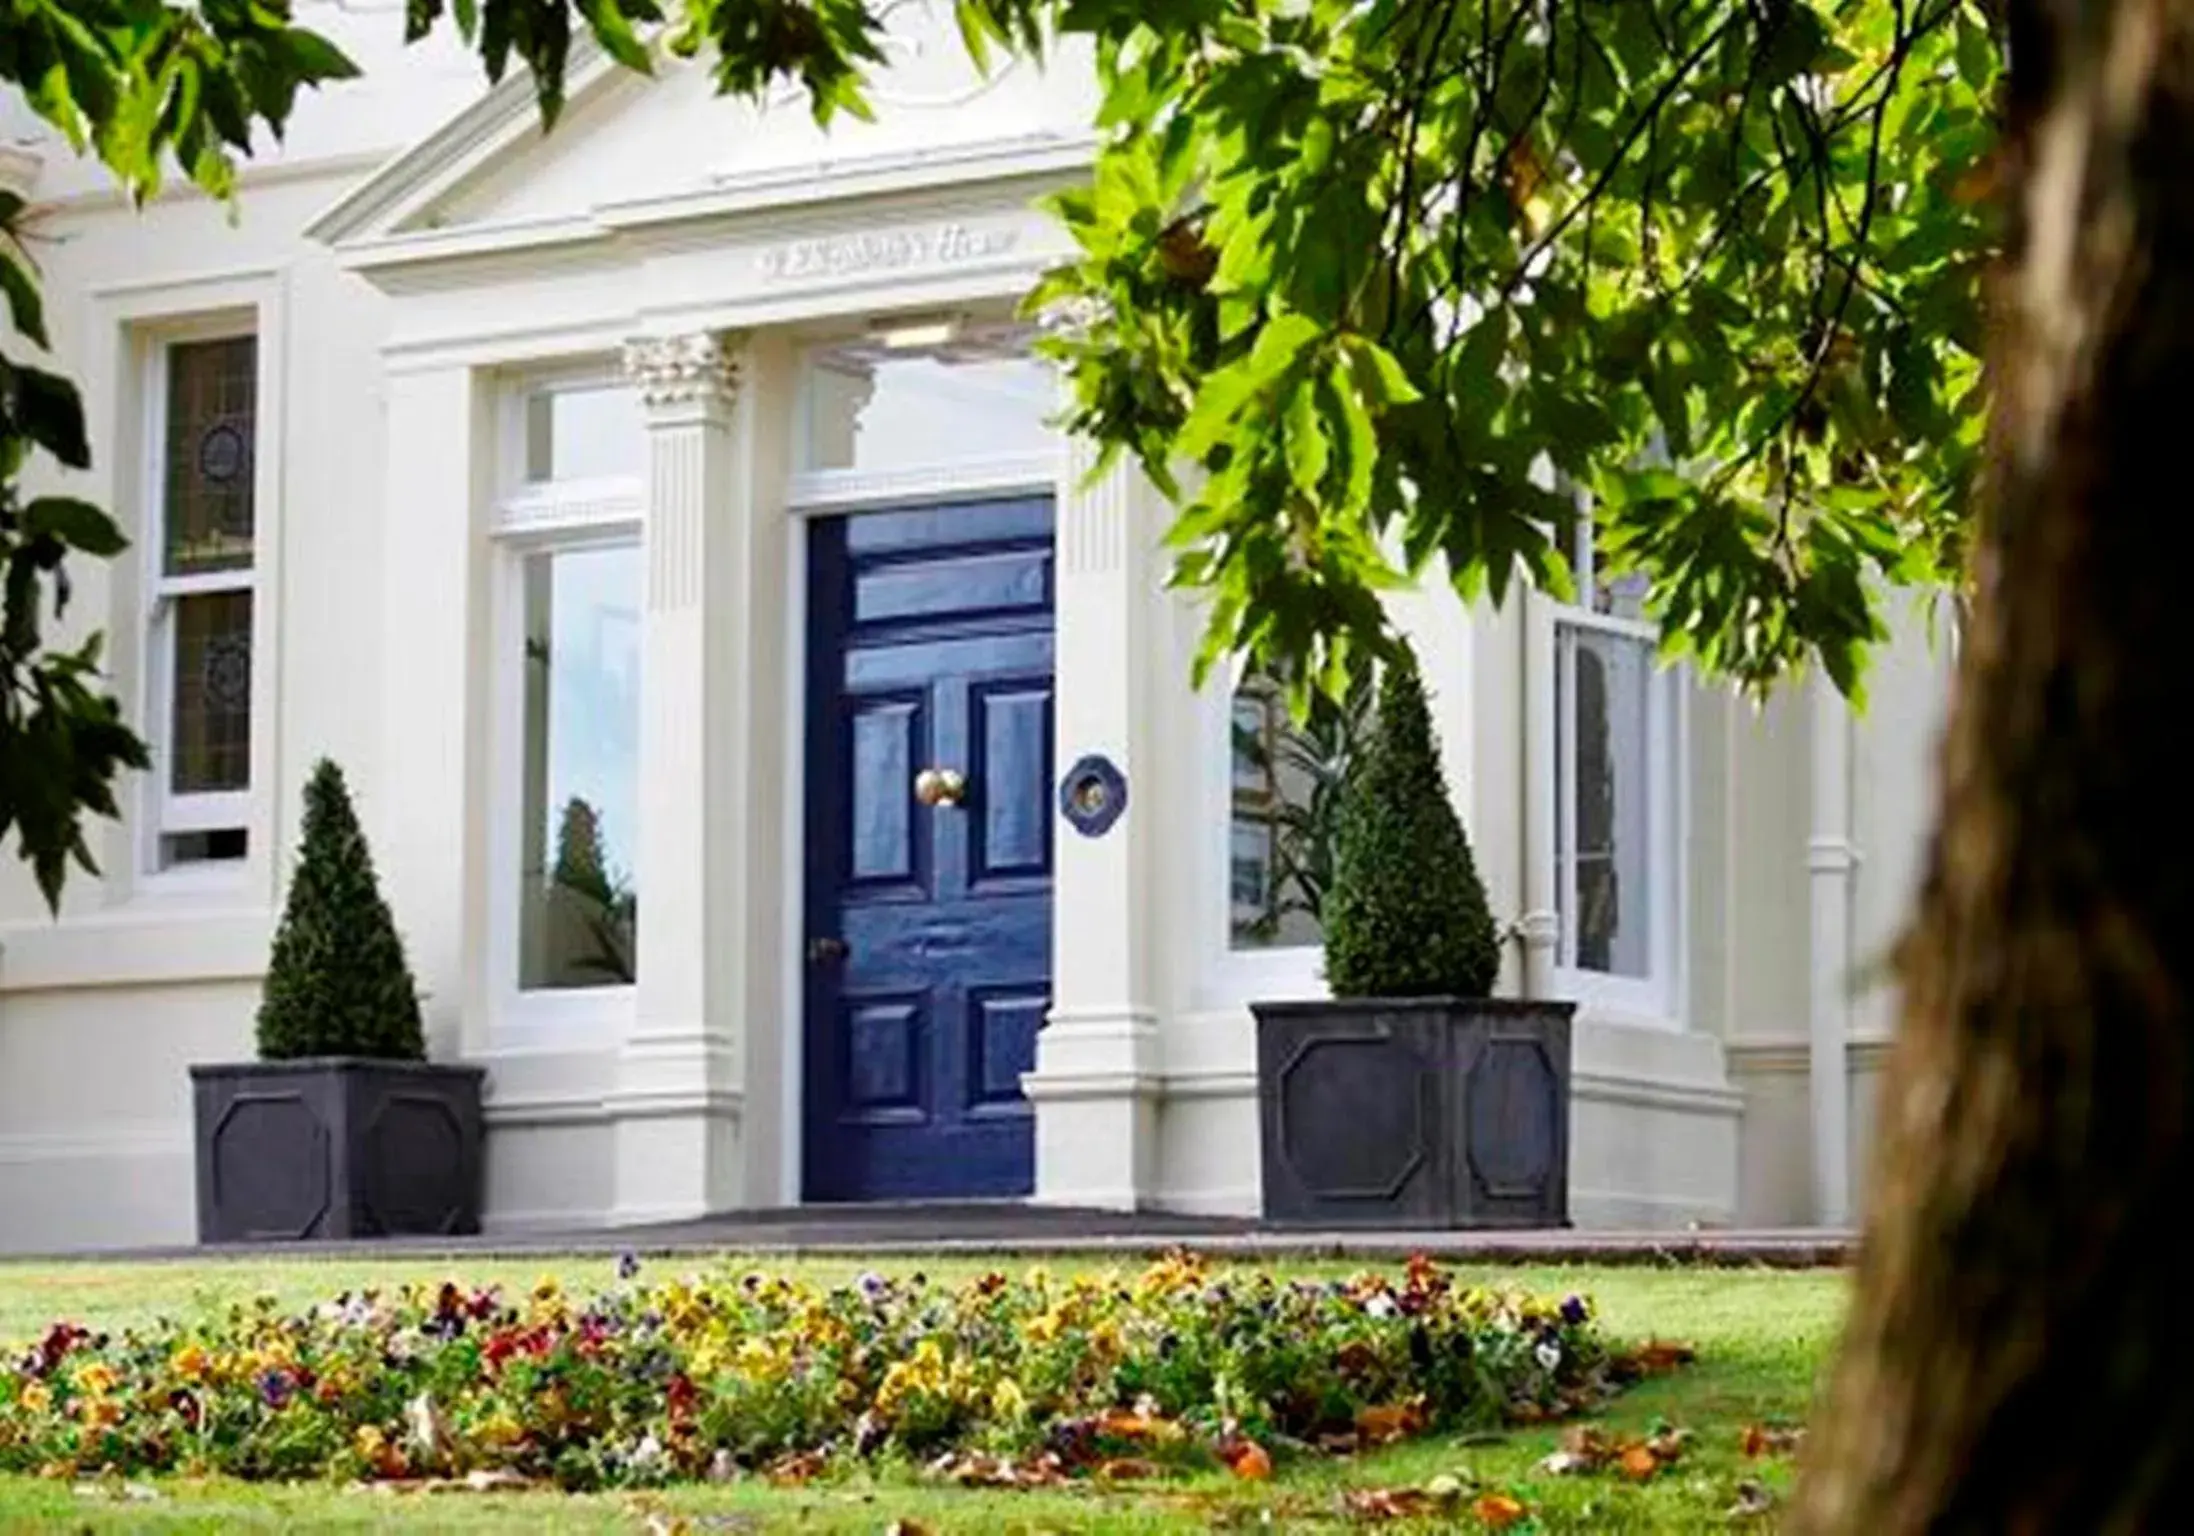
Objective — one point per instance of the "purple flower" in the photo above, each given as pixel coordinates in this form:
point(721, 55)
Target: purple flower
point(872, 1285)
point(628, 1265)
point(1573, 1310)
point(276, 1387)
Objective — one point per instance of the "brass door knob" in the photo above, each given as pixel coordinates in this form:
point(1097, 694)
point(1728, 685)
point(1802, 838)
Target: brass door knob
point(940, 786)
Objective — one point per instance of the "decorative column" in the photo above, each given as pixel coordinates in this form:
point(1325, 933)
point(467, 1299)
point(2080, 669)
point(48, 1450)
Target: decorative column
point(1095, 1086)
point(1831, 862)
point(1539, 926)
point(676, 1106)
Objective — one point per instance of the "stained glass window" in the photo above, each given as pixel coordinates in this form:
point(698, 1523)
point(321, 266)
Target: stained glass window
point(212, 420)
point(210, 751)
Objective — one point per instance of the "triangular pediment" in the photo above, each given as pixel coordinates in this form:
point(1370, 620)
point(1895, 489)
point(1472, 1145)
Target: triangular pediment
point(625, 139)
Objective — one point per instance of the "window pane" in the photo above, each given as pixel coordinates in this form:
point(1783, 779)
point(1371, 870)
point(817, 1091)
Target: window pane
point(212, 426)
point(1603, 709)
point(1285, 781)
point(881, 412)
point(209, 745)
point(583, 434)
point(580, 792)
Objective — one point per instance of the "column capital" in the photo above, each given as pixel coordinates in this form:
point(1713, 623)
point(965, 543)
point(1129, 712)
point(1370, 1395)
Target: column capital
point(700, 368)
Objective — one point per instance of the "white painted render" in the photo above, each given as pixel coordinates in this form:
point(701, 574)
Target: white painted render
point(415, 246)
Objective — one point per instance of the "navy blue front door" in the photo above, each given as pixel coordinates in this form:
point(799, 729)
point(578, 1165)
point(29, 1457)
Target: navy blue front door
point(928, 903)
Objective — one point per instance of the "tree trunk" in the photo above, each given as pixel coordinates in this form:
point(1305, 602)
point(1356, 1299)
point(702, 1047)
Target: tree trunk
point(2020, 1354)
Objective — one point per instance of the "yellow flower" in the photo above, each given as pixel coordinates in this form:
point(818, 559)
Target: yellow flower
point(191, 1362)
point(1044, 1327)
point(1105, 1338)
point(97, 1378)
point(36, 1398)
point(1007, 1400)
point(501, 1429)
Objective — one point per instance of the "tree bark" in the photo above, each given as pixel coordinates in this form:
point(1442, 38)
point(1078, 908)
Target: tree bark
point(2020, 1353)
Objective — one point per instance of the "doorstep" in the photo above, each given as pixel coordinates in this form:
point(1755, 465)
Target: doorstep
point(974, 1228)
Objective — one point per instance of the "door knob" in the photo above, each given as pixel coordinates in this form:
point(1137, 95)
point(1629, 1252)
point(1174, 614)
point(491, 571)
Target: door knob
point(940, 786)
point(823, 951)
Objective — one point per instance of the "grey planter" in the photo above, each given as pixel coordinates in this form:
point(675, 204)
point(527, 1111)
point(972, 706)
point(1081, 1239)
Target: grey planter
point(336, 1147)
point(1418, 1112)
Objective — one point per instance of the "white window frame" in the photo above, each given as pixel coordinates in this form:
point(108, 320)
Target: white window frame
point(1657, 998)
point(167, 813)
point(528, 519)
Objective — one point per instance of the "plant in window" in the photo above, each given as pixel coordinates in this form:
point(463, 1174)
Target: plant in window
point(605, 905)
point(1406, 915)
point(338, 983)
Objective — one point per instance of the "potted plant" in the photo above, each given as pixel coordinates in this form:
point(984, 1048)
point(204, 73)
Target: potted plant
point(342, 1128)
point(1412, 1097)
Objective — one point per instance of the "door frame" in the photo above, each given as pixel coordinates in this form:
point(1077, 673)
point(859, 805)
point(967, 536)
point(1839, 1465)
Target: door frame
point(809, 498)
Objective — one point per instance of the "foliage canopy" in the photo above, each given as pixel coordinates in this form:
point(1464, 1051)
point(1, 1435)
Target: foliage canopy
point(1373, 288)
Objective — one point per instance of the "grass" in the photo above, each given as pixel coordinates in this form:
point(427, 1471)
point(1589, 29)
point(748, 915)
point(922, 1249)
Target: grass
point(1761, 1336)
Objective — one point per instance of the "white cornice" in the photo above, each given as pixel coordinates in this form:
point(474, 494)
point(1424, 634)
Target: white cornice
point(408, 258)
point(505, 115)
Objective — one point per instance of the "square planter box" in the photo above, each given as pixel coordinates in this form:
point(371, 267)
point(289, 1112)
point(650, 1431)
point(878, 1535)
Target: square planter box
point(336, 1147)
point(1416, 1112)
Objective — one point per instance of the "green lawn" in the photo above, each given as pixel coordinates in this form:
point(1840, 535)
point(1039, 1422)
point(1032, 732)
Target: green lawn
point(1761, 1336)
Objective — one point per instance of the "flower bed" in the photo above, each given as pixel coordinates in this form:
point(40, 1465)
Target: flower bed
point(705, 1377)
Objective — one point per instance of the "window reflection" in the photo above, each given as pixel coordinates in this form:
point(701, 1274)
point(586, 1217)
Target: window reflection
point(1286, 780)
point(1603, 707)
point(872, 410)
point(580, 900)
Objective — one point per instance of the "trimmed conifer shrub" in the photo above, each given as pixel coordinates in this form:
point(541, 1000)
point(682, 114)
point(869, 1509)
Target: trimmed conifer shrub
point(338, 983)
point(1407, 915)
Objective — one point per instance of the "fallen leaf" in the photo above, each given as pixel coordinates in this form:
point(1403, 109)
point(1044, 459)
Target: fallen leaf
point(1249, 1461)
point(1385, 1503)
point(137, 1493)
point(1752, 1499)
point(798, 1468)
point(1639, 1463)
point(1770, 1440)
point(1583, 1449)
point(1388, 1423)
point(1498, 1511)
point(1660, 1356)
point(1445, 1490)
point(1129, 1469)
point(977, 1469)
point(1667, 1444)
point(906, 1527)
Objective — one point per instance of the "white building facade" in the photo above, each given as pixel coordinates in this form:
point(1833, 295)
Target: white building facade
point(662, 523)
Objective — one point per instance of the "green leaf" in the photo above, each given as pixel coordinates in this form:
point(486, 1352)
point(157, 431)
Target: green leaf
point(49, 412)
point(1379, 375)
point(25, 308)
point(1308, 451)
point(78, 524)
point(613, 30)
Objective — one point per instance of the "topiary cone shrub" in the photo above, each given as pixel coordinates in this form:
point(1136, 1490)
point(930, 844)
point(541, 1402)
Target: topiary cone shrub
point(1407, 915)
point(338, 983)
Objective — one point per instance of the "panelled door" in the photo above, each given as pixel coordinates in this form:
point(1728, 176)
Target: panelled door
point(929, 842)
